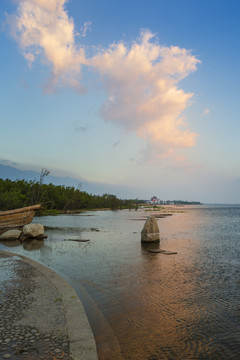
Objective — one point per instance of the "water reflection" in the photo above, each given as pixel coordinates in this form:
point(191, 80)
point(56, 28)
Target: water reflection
point(11, 243)
point(29, 244)
point(143, 305)
point(33, 244)
point(150, 246)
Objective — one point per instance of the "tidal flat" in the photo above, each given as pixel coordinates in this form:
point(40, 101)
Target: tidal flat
point(145, 305)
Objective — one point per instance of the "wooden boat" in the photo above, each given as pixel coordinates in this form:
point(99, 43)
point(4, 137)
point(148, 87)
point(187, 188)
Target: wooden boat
point(18, 217)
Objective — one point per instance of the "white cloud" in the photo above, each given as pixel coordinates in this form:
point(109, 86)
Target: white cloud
point(30, 58)
point(84, 29)
point(141, 80)
point(206, 111)
point(44, 29)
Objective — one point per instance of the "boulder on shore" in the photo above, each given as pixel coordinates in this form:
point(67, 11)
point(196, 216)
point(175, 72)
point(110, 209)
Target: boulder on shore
point(33, 230)
point(150, 231)
point(13, 234)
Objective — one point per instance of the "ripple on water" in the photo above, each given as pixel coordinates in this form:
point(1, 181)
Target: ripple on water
point(184, 306)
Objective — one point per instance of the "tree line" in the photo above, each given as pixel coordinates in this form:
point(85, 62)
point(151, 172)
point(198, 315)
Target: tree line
point(20, 193)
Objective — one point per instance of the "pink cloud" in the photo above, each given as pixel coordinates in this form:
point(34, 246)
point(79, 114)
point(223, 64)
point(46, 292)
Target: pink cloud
point(141, 80)
point(206, 111)
point(44, 30)
point(142, 84)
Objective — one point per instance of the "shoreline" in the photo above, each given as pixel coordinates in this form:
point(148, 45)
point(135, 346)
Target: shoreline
point(80, 335)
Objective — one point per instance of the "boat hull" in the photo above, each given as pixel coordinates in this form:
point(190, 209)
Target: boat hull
point(18, 217)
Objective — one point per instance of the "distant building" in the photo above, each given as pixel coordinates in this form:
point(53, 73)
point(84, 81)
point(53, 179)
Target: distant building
point(154, 200)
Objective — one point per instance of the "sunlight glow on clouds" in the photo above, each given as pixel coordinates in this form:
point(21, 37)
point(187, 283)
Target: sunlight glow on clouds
point(43, 29)
point(141, 80)
point(85, 28)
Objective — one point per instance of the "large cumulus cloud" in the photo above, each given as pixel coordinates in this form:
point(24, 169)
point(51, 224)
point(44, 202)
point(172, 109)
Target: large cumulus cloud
point(141, 80)
point(142, 86)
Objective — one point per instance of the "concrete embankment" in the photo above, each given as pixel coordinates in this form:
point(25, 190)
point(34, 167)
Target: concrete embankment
point(41, 316)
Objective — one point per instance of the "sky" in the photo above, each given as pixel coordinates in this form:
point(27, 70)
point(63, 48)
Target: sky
point(141, 95)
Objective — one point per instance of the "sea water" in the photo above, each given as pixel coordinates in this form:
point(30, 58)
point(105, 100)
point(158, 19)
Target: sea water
point(144, 305)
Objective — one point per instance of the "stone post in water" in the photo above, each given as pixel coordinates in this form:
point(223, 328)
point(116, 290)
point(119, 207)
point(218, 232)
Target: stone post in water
point(150, 231)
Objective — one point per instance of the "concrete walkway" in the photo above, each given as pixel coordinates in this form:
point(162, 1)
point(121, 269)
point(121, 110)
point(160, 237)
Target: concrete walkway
point(41, 316)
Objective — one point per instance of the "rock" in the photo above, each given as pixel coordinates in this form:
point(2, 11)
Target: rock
point(7, 356)
point(11, 235)
point(33, 230)
point(165, 252)
point(156, 251)
point(150, 231)
point(78, 240)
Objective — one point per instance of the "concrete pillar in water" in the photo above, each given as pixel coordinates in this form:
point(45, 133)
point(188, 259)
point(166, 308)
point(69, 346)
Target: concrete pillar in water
point(150, 231)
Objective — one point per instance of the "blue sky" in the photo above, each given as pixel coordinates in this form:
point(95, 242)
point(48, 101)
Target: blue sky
point(142, 95)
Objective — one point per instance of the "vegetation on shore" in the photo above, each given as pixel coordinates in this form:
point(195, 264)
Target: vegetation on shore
point(63, 199)
point(20, 193)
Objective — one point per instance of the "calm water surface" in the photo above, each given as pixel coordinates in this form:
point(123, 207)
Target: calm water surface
point(146, 306)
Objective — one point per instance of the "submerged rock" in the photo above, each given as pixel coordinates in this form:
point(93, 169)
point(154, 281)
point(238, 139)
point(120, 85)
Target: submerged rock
point(33, 230)
point(78, 240)
point(11, 235)
point(150, 231)
point(165, 252)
